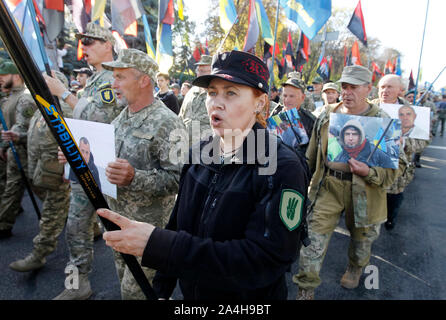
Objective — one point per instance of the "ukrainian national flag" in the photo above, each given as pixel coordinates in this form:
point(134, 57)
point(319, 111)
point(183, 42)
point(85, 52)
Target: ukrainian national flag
point(309, 15)
point(148, 38)
point(378, 136)
point(228, 14)
point(97, 13)
point(164, 53)
point(265, 27)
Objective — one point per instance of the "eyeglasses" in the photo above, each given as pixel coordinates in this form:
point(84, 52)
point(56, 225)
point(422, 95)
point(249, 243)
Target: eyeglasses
point(87, 41)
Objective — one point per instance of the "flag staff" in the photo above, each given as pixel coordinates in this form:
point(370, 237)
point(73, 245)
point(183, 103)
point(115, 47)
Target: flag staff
point(421, 53)
point(274, 44)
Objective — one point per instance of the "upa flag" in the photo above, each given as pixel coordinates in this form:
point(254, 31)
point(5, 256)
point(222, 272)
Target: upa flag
point(265, 27)
point(376, 71)
point(411, 81)
point(289, 51)
point(356, 57)
point(252, 35)
point(303, 51)
point(356, 24)
point(324, 69)
point(309, 15)
point(228, 14)
point(389, 67)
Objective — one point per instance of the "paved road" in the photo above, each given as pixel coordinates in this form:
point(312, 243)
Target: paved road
point(410, 259)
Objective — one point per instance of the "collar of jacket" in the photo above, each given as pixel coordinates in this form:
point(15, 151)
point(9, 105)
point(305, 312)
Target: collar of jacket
point(143, 113)
point(242, 156)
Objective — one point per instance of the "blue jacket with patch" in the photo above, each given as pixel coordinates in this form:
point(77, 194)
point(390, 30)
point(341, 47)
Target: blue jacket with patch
point(226, 238)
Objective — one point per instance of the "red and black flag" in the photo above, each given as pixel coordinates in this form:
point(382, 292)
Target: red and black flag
point(390, 68)
point(289, 51)
point(411, 81)
point(324, 68)
point(303, 52)
point(376, 71)
point(347, 57)
point(356, 24)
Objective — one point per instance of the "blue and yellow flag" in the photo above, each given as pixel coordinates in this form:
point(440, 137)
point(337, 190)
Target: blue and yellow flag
point(180, 6)
point(148, 38)
point(309, 15)
point(228, 14)
point(164, 53)
point(265, 27)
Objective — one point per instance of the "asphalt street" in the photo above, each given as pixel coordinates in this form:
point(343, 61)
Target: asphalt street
point(409, 260)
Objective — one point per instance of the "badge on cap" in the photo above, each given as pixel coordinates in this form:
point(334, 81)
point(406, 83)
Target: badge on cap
point(291, 206)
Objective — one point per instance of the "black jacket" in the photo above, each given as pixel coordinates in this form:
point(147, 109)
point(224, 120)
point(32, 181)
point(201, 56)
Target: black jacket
point(94, 171)
point(226, 239)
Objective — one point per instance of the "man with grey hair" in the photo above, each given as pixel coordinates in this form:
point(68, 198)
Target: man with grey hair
point(98, 103)
point(352, 187)
point(390, 90)
point(146, 176)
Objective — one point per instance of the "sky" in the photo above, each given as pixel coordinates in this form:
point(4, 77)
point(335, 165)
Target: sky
point(397, 24)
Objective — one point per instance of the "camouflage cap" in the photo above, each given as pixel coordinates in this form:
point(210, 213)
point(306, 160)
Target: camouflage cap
point(317, 80)
point(204, 61)
point(95, 31)
point(7, 67)
point(330, 85)
point(295, 80)
point(136, 59)
point(356, 75)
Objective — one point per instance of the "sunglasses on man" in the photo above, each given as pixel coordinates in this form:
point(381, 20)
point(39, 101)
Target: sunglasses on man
point(87, 41)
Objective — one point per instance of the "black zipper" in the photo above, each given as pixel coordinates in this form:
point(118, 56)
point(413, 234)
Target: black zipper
point(208, 204)
point(268, 203)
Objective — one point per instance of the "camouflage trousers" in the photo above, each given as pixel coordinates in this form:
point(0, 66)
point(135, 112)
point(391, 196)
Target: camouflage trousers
point(334, 198)
point(55, 204)
point(2, 176)
point(13, 193)
point(79, 232)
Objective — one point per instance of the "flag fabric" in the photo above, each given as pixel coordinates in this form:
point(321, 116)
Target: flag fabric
point(124, 14)
point(356, 57)
point(166, 13)
point(398, 66)
point(309, 15)
point(281, 67)
point(389, 68)
point(357, 26)
point(164, 52)
point(180, 7)
point(382, 145)
point(267, 51)
point(324, 69)
point(81, 11)
point(24, 24)
point(97, 12)
point(206, 48)
point(289, 51)
point(264, 24)
point(54, 5)
point(228, 14)
point(119, 41)
point(303, 51)
point(252, 35)
point(376, 71)
point(198, 52)
point(148, 38)
point(53, 14)
point(411, 81)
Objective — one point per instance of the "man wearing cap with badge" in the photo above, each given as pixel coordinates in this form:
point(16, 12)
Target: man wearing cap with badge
point(353, 188)
point(18, 109)
point(146, 176)
point(82, 76)
point(98, 103)
point(193, 110)
point(316, 95)
point(330, 95)
point(293, 96)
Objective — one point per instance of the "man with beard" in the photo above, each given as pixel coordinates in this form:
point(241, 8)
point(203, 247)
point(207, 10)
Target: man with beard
point(17, 110)
point(97, 103)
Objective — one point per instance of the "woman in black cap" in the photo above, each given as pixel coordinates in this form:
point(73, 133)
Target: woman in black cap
point(238, 220)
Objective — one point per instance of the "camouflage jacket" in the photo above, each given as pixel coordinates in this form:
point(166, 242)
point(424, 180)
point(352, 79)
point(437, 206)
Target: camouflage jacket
point(308, 104)
point(411, 146)
point(18, 110)
point(194, 109)
point(98, 100)
point(43, 167)
point(142, 138)
point(368, 193)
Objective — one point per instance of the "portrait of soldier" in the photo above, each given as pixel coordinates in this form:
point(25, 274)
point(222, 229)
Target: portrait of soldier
point(407, 115)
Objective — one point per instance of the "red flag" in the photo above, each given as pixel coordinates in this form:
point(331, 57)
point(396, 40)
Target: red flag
point(356, 57)
point(55, 5)
point(169, 18)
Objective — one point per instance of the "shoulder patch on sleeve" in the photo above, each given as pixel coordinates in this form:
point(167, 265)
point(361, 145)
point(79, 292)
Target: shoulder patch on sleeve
point(291, 206)
point(107, 95)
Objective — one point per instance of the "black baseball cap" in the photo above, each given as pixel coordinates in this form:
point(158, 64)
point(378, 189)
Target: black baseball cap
point(238, 67)
point(87, 71)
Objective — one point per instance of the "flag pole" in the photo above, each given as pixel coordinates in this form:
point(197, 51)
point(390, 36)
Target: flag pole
point(274, 45)
point(230, 29)
point(421, 53)
point(430, 87)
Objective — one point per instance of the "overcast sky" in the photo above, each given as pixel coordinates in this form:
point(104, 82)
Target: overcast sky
point(396, 23)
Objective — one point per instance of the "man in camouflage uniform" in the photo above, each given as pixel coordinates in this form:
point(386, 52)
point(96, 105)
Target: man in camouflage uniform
point(3, 98)
point(316, 95)
point(429, 104)
point(353, 187)
point(98, 103)
point(146, 177)
point(46, 176)
point(17, 111)
point(193, 109)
